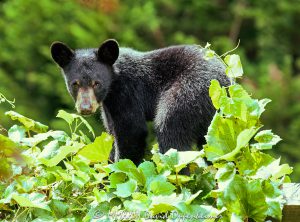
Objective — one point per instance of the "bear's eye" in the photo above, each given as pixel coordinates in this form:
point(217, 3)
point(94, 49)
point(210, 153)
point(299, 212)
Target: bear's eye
point(96, 84)
point(75, 84)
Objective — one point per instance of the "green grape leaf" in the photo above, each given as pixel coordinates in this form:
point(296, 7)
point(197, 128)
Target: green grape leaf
point(63, 152)
point(226, 137)
point(126, 189)
point(274, 198)
point(35, 200)
point(29, 124)
point(70, 117)
point(234, 66)
point(99, 150)
point(162, 203)
point(128, 167)
point(116, 178)
point(185, 158)
point(245, 198)
point(266, 139)
point(273, 171)
point(17, 133)
point(179, 179)
point(216, 92)
point(159, 187)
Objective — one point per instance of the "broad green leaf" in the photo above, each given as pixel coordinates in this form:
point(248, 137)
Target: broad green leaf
point(25, 183)
point(88, 126)
point(158, 187)
point(80, 178)
point(216, 92)
point(185, 158)
point(189, 200)
point(244, 198)
point(242, 140)
point(237, 91)
point(40, 137)
point(68, 117)
point(50, 150)
point(162, 204)
point(140, 196)
point(99, 150)
point(262, 103)
point(28, 123)
point(246, 163)
point(35, 200)
point(148, 169)
point(266, 139)
point(236, 218)
point(234, 64)
point(226, 137)
point(179, 179)
point(63, 152)
point(81, 164)
point(117, 178)
point(9, 191)
point(196, 212)
point(58, 135)
point(80, 182)
point(128, 167)
point(262, 159)
point(170, 158)
point(139, 203)
point(123, 165)
point(273, 171)
point(101, 195)
point(17, 133)
point(226, 172)
point(9, 148)
point(59, 208)
point(126, 189)
point(274, 198)
point(97, 212)
point(135, 206)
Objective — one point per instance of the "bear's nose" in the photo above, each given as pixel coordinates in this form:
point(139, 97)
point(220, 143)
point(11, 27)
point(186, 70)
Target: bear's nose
point(86, 108)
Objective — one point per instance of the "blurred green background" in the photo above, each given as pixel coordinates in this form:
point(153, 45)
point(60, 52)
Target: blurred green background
point(268, 30)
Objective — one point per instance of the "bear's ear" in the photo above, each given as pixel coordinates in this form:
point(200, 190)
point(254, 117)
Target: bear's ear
point(108, 52)
point(61, 53)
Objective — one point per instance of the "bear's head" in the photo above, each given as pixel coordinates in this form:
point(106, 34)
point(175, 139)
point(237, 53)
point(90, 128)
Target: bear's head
point(88, 72)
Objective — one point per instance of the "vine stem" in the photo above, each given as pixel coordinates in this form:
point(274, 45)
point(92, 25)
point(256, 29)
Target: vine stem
point(226, 53)
point(17, 216)
point(7, 100)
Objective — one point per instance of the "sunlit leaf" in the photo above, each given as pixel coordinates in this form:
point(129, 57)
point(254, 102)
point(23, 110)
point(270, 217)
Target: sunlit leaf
point(126, 189)
point(234, 64)
point(29, 124)
point(266, 139)
point(99, 150)
point(35, 200)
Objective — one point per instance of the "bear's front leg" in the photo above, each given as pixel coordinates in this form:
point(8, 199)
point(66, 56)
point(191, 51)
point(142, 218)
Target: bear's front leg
point(130, 140)
point(130, 132)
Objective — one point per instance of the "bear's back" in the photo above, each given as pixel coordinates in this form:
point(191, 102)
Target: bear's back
point(166, 65)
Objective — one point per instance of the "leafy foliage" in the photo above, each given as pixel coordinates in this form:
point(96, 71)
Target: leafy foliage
point(272, 59)
point(66, 177)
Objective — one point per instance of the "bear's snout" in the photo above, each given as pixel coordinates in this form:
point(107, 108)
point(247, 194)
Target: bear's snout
point(86, 102)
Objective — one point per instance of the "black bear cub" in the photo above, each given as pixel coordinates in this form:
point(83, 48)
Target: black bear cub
point(168, 85)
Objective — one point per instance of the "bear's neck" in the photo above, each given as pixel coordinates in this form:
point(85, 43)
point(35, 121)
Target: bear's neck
point(132, 79)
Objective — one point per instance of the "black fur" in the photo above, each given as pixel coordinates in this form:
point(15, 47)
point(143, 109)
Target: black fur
point(168, 86)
